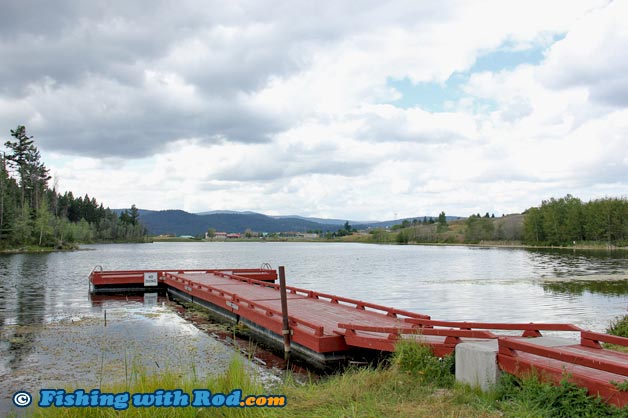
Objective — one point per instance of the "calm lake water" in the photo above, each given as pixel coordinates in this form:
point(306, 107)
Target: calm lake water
point(39, 292)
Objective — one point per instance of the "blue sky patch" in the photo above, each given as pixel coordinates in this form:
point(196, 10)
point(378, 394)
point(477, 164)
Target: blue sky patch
point(434, 97)
point(428, 96)
point(507, 59)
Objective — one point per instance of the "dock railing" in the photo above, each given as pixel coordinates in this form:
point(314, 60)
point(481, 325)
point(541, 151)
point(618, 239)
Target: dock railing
point(101, 276)
point(531, 329)
point(442, 341)
point(394, 333)
point(237, 302)
point(603, 373)
point(594, 339)
point(510, 346)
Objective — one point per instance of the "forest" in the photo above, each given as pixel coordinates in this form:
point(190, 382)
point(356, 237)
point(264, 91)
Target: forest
point(568, 220)
point(32, 213)
point(563, 222)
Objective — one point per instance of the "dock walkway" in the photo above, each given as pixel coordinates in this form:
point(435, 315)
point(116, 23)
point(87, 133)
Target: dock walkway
point(314, 317)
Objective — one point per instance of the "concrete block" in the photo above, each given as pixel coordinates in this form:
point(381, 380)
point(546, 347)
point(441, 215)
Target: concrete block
point(476, 364)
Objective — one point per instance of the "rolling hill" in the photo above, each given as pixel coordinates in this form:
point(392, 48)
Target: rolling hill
point(179, 222)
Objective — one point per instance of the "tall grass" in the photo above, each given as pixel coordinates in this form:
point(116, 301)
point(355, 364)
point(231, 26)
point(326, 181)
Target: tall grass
point(529, 397)
point(619, 327)
point(237, 376)
point(404, 389)
point(418, 361)
point(414, 383)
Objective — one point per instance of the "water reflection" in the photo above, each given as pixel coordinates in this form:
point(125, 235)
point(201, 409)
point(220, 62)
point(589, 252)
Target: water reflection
point(101, 302)
point(40, 291)
point(579, 287)
point(445, 282)
point(23, 295)
point(567, 263)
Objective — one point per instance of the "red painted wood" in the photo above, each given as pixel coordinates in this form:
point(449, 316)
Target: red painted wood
point(598, 383)
point(129, 277)
point(593, 339)
point(495, 325)
point(612, 364)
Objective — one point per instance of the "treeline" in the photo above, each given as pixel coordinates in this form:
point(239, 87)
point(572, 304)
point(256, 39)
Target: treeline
point(556, 222)
point(565, 220)
point(32, 213)
point(429, 230)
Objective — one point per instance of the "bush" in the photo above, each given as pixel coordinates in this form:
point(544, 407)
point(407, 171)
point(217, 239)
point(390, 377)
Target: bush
point(531, 397)
point(403, 237)
point(417, 359)
point(619, 327)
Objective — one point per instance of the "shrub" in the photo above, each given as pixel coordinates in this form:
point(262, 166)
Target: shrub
point(417, 359)
point(531, 397)
point(619, 327)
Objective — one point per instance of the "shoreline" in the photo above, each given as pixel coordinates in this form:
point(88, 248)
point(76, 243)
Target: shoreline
point(489, 244)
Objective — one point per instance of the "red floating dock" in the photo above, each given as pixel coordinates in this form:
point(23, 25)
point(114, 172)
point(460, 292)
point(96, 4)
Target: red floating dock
point(102, 281)
point(314, 317)
point(326, 329)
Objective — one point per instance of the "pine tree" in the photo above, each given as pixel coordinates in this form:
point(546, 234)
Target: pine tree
point(33, 174)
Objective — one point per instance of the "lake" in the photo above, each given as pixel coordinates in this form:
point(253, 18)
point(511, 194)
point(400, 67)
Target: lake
point(44, 296)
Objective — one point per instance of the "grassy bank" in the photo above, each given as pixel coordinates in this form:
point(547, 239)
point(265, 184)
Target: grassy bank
point(36, 249)
point(402, 390)
point(413, 384)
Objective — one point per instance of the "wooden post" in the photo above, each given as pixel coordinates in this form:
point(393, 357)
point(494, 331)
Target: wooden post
point(284, 313)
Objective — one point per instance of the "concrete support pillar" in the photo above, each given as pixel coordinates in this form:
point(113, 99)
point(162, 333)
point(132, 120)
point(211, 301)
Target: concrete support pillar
point(476, 364)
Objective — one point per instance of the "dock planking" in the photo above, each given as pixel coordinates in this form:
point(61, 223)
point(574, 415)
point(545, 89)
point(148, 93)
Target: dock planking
point(314, 317)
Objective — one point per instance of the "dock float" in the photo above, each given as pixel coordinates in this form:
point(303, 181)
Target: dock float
point(326, 329)
point(118, 281)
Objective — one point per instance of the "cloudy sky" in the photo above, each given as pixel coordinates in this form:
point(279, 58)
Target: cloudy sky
point(354, 109)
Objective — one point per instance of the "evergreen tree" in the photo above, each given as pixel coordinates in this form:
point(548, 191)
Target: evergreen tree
point(134, 215)
point(32, 213)
point(25, 158)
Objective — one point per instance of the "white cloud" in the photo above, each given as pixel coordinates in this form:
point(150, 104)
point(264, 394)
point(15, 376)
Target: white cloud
point(281, 107)
point(593, 56)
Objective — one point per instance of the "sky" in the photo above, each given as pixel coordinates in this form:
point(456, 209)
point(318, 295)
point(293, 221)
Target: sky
point(362, 110)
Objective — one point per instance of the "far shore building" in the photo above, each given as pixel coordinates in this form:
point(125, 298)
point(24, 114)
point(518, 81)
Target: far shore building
point(307, 235)
point(220, 235)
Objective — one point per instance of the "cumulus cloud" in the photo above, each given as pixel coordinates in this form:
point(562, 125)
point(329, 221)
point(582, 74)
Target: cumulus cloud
point(391, 124)
point(592, 56)
point(288, 106)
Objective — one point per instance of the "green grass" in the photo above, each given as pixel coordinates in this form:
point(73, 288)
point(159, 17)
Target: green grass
point(403, 388)
point(412, 383)
point(619, 327)
point(237, 376)
point(530, 397)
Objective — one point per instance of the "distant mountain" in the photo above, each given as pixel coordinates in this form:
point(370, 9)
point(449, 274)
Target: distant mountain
point(325, 221)
point(179, 222)
point(232, 212)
